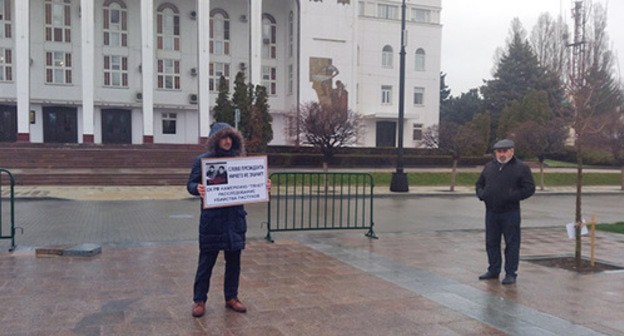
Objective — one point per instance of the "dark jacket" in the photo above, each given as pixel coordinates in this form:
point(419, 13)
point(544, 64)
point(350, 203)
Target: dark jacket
point(503, 186)
point(219, 228)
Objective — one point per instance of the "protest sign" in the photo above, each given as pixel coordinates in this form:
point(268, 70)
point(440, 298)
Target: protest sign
point(234, 180)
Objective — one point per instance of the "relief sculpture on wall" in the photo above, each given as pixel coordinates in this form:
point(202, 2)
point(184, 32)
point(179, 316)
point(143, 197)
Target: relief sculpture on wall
point(322, 74)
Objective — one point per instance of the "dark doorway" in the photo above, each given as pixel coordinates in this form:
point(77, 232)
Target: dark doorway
point(116, 126)
point(386, 134)
point(8, 123)
point(60, 125)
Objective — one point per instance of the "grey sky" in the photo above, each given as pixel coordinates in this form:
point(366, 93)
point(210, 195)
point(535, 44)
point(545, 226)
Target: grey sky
point(472, 30)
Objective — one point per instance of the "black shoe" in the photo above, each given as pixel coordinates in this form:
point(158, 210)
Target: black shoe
point(509, 280)
point(488, 275)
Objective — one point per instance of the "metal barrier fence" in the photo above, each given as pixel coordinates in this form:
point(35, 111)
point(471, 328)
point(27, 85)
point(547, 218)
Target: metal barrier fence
point(12, 207)
point(320, 201)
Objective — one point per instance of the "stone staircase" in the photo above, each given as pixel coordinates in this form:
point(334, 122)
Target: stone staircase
point(89, 164)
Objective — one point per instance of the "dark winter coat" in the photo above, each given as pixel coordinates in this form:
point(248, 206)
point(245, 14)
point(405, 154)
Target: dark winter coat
point(503, 186)
point(219, 228)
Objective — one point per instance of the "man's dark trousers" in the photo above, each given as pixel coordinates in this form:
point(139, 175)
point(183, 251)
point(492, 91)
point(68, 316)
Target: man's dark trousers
point(506, 224)
point(207, 260)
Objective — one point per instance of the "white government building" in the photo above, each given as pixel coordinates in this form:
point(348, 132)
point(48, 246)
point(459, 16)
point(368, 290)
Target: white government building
point(145, 71)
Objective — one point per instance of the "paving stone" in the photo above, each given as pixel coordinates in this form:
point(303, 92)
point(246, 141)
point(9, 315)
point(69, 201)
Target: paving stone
point(83, 250)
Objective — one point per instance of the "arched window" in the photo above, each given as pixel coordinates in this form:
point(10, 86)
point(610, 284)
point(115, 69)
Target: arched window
point(269, 37)
point(419, 64)
point(58, 20)
point(115, 23)
point(168, 27)
point(219, 32)
point(386, 57)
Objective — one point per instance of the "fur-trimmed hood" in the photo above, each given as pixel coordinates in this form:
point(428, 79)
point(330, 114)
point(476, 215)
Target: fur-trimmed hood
point(218, 131)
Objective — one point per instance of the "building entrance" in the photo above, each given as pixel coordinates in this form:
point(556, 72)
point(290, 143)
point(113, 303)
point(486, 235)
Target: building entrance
point(60, 125)
point(116, 126)
point(386, 134)
point(8, 123)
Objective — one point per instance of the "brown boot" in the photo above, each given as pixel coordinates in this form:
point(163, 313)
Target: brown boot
point(235, 305)
point(199, 309)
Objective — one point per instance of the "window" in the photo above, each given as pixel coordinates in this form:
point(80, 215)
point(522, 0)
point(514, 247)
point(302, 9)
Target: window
point(291, 75)
point(216, 71)
point(419, 95)
point(361, 8)
point(219, 33)
point(291, 34)
point(387, 12)
point(58, 67)
point(269, 79)
point(386, 94)
point(58, 20)
point(116, 71)
point(417, 132)
point(269, 37)
point(169, 123)
point(421, 15)
point(168, 74)
point(115, 24)
point(386, 57)
point(6, 71)
point(168, 28)
point(419, 63)
point(5, 18)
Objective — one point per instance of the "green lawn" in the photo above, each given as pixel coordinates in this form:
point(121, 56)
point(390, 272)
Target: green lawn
point(469, 178)
point(559, 164)
point(614, 227)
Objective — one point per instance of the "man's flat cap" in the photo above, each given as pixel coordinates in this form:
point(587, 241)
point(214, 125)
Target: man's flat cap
point(504, 144)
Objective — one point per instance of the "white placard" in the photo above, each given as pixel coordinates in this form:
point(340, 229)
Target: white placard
point(234, 181)
point(570, 227)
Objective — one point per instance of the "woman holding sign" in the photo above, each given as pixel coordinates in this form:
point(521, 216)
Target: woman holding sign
point(220, 229)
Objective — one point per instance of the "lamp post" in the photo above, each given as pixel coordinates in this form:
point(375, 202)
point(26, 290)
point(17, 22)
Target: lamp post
point(399, 178)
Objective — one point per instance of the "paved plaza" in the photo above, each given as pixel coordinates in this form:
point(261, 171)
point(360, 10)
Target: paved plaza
point(419, 278)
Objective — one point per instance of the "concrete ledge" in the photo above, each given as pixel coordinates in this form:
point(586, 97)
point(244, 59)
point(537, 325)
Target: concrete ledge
point(82, 250)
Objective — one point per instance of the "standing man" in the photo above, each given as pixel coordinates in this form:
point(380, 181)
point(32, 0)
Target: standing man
point(220, 229)
point(503, 183)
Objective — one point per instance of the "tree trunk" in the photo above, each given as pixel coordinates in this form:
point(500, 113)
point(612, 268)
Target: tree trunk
point(323, 177)
point(578, 219)
point(541, 175)
point(454, 174)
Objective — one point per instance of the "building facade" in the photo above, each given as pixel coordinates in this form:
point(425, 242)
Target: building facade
point(146, 71)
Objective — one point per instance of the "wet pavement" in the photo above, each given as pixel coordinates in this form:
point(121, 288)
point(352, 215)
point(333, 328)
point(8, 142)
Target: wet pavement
point(419, 278)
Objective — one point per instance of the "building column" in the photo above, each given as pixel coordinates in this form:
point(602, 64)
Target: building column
point(255, 43)
point(87, 49)
point(147, 64)
point(353, 90)
point(203, 60)
point(22, 65)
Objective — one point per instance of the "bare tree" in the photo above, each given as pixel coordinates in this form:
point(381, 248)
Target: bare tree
point(457, 141)
point(611, 137)
point(328, 129)
point(591, 86)
point(549, 38)
point(535, 139)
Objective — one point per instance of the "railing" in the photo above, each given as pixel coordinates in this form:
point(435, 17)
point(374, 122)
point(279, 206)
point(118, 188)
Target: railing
point(320, 201)
point(12, 207)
